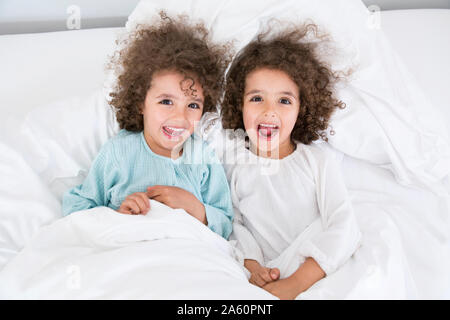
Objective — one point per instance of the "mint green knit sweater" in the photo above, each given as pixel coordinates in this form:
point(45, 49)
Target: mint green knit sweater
point(126, 164)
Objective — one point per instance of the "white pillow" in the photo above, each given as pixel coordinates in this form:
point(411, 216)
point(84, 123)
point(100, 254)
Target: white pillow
point(388, 121)
point(60, 140)
point(51, 152)
point(26, 203)
point(239, 21)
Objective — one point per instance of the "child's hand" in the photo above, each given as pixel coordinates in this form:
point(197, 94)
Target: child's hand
point(301, 280)
point(178, 198)
point(285, 289)
point(135, 203)
point(260, 276)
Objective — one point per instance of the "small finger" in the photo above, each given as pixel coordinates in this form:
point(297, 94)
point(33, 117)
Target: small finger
point(124, 209)
point(133, 207)
point(259, 281)
point(275, 273)
point(265, 275)
point(159, 198)
point(146, 199)
point(253, 281)
point(153, 191)
point(140, 202)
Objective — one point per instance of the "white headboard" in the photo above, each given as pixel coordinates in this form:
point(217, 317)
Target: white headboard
point(29, 16)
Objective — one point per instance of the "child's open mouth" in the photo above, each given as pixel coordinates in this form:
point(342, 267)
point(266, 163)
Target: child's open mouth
point(267, 130)
point(173, 132)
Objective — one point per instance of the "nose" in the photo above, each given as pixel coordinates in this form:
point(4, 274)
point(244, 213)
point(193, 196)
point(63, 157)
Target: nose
point(179, 113)
point(179, 116)
point(269, 110)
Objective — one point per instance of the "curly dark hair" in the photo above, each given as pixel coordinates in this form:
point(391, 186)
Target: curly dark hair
point(288, 51)
point(169, 44)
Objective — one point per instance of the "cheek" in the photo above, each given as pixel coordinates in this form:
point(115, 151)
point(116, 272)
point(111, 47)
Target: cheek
point(249, 116)
point(153, 117)
point(289, 120)
point(194, 118)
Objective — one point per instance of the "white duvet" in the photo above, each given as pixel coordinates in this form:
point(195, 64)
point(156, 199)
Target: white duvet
point(99, 254)
point(167, 254)
point(102, 254)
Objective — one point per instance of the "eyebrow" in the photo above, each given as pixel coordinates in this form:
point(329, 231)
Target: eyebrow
point(287, 93)
point(252, 92)
point(170, 96)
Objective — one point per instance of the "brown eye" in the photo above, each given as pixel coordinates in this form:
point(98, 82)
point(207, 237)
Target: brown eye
point(285, 101)
point(256, 99)
point(166, 101)
point(194, 106)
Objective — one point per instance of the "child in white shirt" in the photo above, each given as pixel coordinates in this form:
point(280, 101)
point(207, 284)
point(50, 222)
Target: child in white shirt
point(288, 194)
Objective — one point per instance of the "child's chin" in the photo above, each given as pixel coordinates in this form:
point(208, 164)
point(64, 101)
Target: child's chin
point(266, 151)
point(174, 142)
point(175, 139)
point(264, 147)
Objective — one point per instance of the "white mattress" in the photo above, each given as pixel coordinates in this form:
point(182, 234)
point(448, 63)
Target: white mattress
point(40, 68)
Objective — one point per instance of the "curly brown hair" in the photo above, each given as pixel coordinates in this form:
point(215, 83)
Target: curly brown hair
point(168, 44)
point(287, 51)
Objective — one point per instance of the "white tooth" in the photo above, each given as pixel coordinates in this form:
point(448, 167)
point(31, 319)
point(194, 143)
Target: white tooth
point(176, 129)
point(268, 125)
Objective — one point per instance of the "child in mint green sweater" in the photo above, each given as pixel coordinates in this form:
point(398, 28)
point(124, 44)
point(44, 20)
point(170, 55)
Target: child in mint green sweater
point(170, 74)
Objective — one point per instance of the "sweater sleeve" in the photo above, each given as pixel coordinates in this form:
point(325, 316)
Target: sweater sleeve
point(245, 243)
point(341, 235)
point(94, 191)
point(216, 198)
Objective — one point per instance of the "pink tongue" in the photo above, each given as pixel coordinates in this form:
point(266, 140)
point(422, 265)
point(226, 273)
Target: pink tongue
point(266, 131)
point(168, 130)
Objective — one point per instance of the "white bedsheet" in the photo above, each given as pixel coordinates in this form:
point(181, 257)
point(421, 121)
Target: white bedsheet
point(421, 219)
point(167, 254)
point(102, 254)
point(411, 237)
point(404, 251)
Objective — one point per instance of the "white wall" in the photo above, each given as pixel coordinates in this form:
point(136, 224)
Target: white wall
point(409, 4)
point(25, 16)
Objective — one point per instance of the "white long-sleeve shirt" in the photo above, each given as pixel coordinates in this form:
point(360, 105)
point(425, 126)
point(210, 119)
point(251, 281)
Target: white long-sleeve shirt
point(275, 201)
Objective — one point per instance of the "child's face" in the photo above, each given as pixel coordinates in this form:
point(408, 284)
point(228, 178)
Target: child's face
point(170, 111)
point(270, 110)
